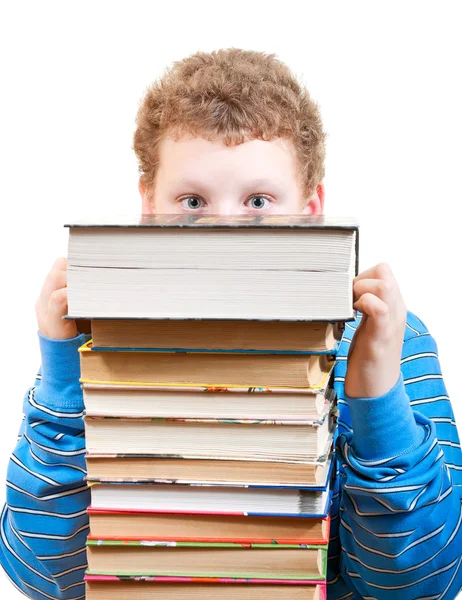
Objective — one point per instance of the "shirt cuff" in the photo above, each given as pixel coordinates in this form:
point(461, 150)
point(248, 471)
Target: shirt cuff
point(60, 385)
point(384, 427)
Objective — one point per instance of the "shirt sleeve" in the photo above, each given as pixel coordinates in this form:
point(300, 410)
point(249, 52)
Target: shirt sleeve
point(401, 480)
point(43, 524)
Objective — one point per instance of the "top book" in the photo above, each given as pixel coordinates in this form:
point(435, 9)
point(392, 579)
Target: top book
point(246, 267)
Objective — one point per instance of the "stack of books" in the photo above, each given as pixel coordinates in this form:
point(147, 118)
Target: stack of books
point(209, 406)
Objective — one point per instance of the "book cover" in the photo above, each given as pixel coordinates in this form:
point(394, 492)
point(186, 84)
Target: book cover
point(315, 421)
point(322, 514)
point(197, 580)
point(123, 524)
point(272, 545)
point(206, 559)
point(207, 388)
point(183, 499)
point(127, 472)
point(204, 370)
point(209, 402)
point(331, 351)
point(220, 221)
point(203, 542)
point(198, 438)
point(116, 586)
point(253, 286)
point(204, 335)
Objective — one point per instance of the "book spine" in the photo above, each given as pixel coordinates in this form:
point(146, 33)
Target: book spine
point(185, 387)
point(233, 484)
point(317, 422)
point(126, 542)
point(320, 461)
point(144, 575)
point(202, 512)
point(244, 542)
point(332, 351)
point(170, 579)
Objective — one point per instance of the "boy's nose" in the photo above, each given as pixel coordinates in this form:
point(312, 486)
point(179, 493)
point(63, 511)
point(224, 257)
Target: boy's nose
point(226, 206)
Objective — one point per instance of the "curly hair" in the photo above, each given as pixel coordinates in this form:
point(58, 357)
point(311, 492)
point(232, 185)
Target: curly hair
point(231, 95)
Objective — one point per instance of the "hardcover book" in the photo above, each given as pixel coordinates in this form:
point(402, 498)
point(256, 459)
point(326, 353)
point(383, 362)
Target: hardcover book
point(100, 587)
point(206, 559)
point(239, 268)
point(270, 337)
point(218, 438)
point(206, 402)
point(206, 527)
point(150, 469)
point(204, 499)
point(242, 370)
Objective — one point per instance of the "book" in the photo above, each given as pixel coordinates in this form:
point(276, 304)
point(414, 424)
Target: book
point(262, 501)
point(105, 523)
point(209, 402)
point(208, 335)
point(206, 559)
point(212, 438)
point(247, 370)
point(149, 469)
point(210, 267)
point(100, 587)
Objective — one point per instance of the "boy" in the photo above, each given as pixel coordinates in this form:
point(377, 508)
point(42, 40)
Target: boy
point(233, 132)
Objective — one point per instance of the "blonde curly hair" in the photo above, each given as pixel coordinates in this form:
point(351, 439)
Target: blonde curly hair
point(231, 95)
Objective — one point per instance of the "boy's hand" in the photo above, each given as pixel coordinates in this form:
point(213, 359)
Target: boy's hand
point(51, 305)
point(374, 358)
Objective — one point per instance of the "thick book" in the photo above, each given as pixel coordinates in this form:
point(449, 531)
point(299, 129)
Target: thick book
point(273, 267)
point(200, 499)
point(208, 335)
point(150, 469)
point(101, 587)
point(247, 370)
point(208, 402)
point(205, 527)
point(216, 438)
point(206, 559)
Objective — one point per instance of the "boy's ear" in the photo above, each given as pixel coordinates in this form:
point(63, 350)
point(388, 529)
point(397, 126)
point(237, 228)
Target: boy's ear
point(146, 204)
point(314, 205)
point(321, 193)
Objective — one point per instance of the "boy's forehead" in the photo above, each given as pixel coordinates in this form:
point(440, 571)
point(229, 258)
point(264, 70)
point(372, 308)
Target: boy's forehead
point(192, 144)
point(265, 159)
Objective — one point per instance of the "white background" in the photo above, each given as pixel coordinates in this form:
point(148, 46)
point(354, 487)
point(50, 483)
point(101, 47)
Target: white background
point(386, 75)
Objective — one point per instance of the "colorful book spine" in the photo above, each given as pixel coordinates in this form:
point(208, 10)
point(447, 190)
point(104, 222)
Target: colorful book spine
point(172, 579)
point(273, 544)
point(332, 351)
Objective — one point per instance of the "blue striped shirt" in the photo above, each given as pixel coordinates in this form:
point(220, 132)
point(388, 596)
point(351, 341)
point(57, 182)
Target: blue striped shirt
point(396, 514)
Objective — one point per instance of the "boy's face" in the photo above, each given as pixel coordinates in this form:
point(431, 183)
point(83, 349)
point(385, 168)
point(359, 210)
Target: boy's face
point(196, 176)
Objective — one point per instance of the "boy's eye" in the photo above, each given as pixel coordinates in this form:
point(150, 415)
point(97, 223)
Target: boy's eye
point(192, 203)
point(258, 202)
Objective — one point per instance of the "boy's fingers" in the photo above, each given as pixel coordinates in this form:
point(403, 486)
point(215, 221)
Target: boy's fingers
point(371, 305)
point(60, 264)
point(54, 326)
point(55, 280)
point(57, 304)
point(380, 271)
point(385, 290)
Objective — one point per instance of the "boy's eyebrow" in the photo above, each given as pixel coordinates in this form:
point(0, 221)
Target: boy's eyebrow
point(256, 185)
point(270, 183)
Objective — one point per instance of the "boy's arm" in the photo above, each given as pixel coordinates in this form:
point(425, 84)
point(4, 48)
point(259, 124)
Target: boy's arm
point(44, 522)
point(400, 511)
